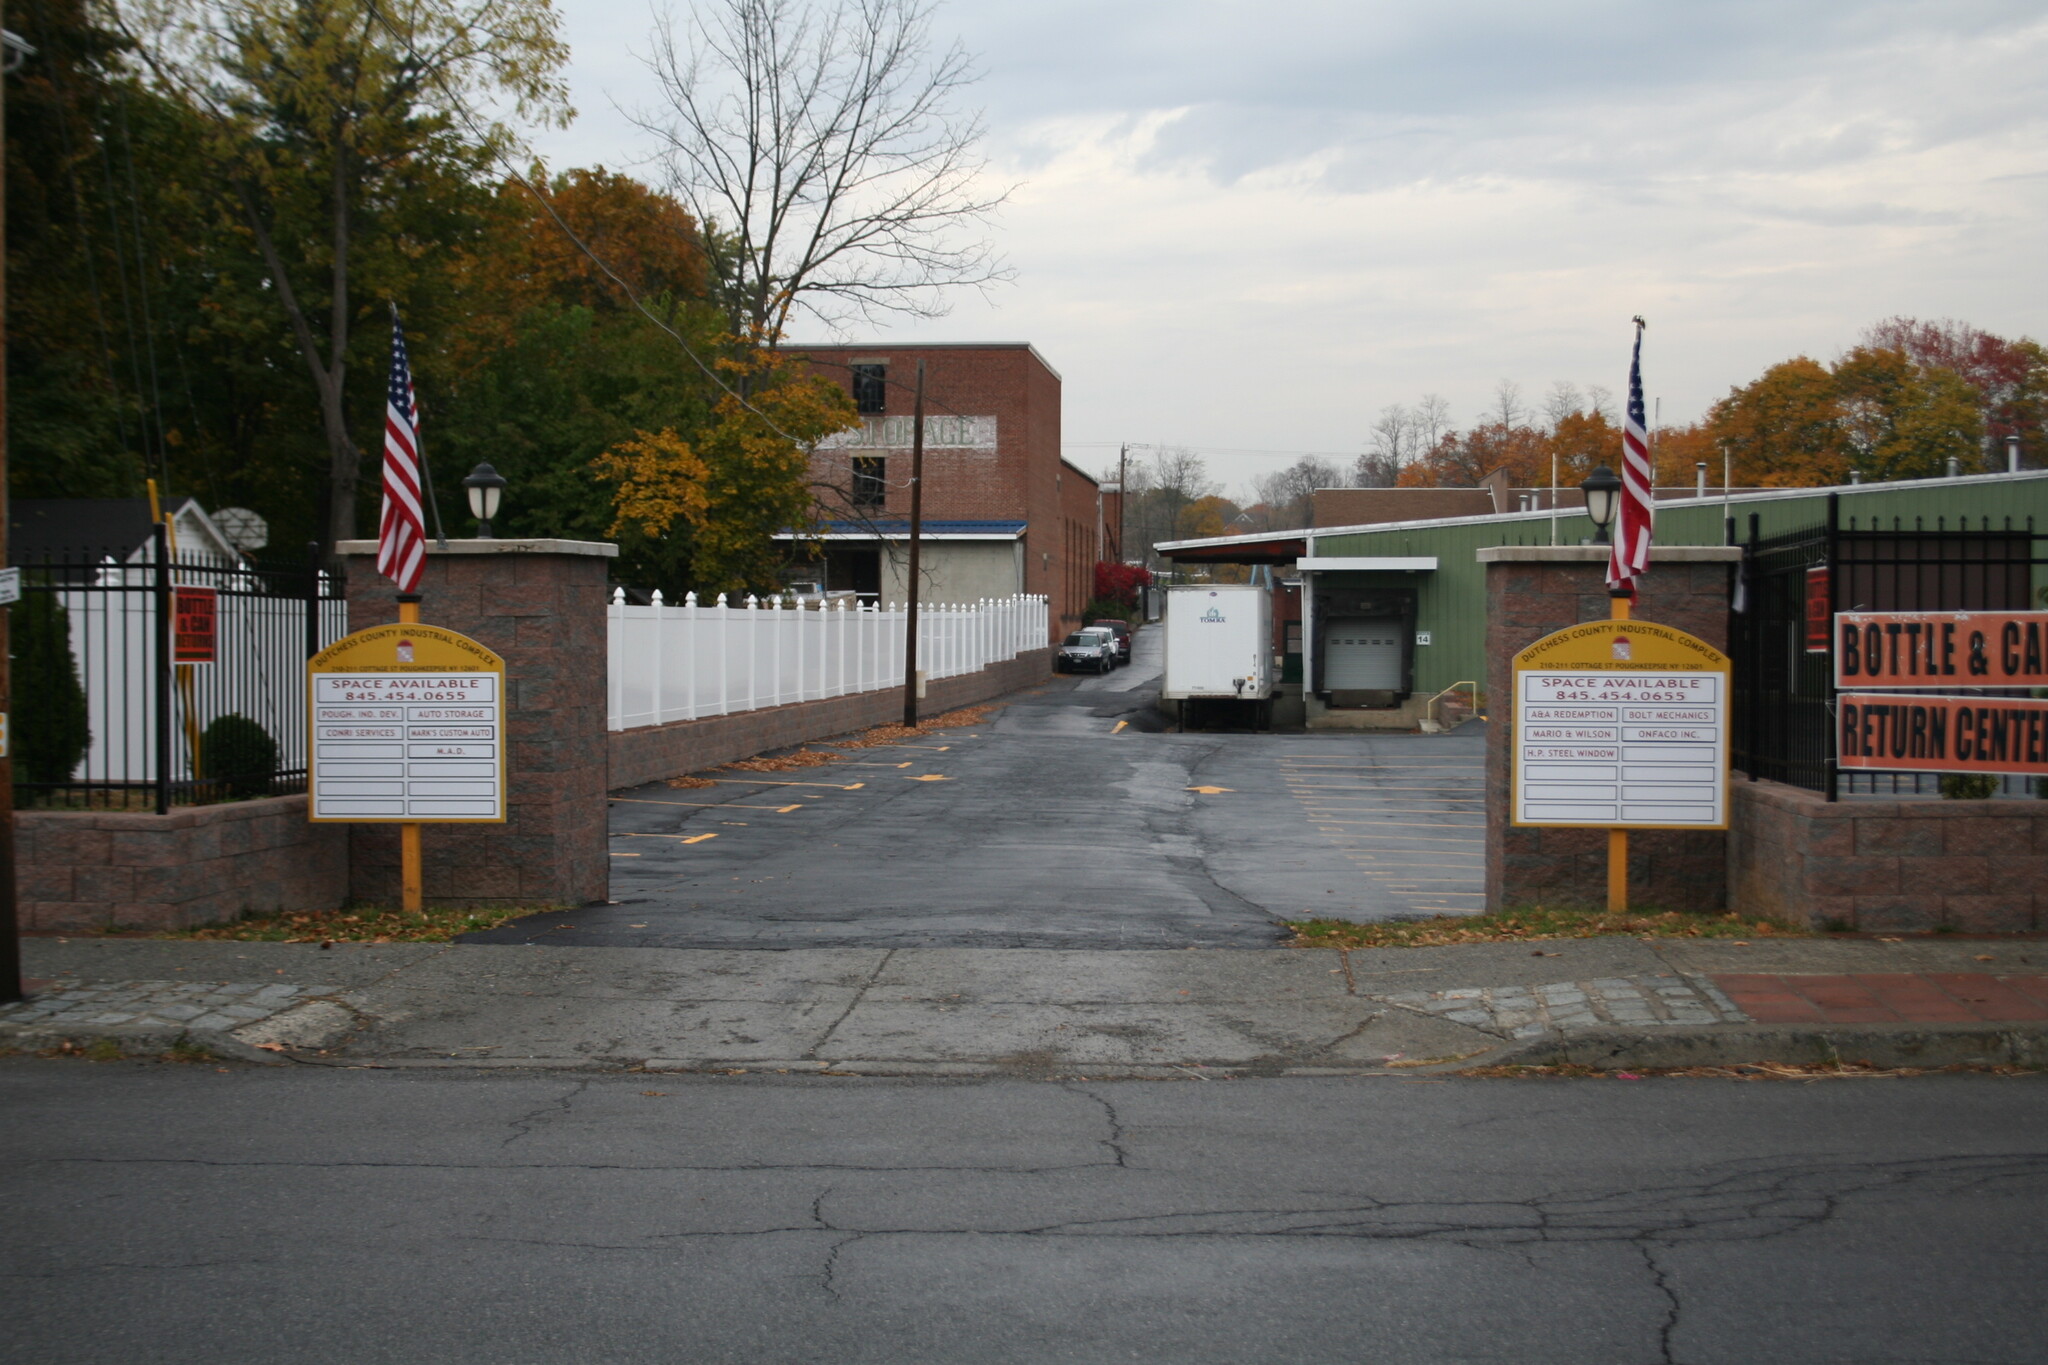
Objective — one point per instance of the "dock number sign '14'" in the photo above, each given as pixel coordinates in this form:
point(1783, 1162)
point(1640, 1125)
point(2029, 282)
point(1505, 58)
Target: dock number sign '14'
point(408, 726)
point(1618, 725)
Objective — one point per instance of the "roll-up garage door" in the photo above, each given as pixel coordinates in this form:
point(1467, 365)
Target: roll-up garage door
point(1362, 654)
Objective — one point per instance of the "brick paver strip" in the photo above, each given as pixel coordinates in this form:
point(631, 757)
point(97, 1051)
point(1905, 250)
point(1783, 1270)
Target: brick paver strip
point(1767, 999)
point(1887, 997)
point(1918, 999)
point(1989, 996)
point(2034, 986)
point(1842, 999)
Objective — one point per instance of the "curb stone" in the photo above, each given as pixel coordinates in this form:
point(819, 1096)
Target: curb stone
point(146, 1018)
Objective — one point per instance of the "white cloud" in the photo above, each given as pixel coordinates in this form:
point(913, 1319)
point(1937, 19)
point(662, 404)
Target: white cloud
point(1248, 225)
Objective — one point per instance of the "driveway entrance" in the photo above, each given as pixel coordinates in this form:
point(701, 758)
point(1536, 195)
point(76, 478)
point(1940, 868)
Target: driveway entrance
point(1070, 820)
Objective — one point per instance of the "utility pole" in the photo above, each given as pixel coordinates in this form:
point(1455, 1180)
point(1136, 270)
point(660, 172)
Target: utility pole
point(1123, 493)
point(10, 919)
point(916, 529)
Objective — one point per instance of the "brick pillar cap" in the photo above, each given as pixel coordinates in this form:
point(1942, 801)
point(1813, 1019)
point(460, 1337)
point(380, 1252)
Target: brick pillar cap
point(1595, 554)
point(597, 549)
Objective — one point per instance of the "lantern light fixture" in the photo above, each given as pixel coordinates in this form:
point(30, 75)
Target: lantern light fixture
point(1603, 493)
point(485, 486)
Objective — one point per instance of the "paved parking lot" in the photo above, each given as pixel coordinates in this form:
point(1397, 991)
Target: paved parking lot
point(1073, 819)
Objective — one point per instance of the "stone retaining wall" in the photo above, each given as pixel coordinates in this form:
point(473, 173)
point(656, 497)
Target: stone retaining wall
point(94, 869)
point(657, 751)
point(1972, 866)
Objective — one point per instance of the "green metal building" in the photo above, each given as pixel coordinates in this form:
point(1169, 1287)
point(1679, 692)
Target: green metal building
point(1391, 614)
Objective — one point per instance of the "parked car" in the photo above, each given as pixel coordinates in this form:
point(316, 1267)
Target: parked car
point(1122, 631)
point(1093, 650)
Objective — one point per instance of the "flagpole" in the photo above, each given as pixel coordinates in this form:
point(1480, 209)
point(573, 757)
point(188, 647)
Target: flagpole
point(403, 401)
point(420, 450)
point(1621, 599)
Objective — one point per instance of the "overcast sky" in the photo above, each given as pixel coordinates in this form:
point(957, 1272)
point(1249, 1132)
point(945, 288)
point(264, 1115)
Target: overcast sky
point(1251, 226)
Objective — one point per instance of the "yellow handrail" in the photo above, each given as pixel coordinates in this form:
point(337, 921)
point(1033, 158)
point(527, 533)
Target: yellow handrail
point(1429, 707)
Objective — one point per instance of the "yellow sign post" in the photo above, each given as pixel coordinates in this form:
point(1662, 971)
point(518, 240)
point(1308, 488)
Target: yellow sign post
point(407, 727)
point(1620, 725)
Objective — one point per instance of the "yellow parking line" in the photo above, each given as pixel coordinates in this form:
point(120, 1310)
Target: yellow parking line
point(686, 838)
point(702, 805)
point(765, 782)
point(1119, 726)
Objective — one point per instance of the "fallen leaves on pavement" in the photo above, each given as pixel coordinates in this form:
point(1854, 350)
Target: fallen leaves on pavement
point(1535, 923)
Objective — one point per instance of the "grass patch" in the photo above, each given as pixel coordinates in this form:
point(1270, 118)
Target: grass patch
point(363, 924)
point(1532, 924)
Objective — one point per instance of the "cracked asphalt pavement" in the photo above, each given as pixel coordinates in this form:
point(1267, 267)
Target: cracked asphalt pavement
point(173, 1214)
point(1072, 819)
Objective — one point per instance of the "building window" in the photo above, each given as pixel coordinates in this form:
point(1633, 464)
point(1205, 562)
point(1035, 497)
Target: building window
point(870, 390)
point(870, 481)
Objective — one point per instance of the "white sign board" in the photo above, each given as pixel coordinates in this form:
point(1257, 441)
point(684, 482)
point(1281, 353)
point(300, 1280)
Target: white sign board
point(423, 744)
point(1621, 743)
point(10, 587)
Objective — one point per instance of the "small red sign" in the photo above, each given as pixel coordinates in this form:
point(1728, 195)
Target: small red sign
point(1818, 616)
point(196, 628)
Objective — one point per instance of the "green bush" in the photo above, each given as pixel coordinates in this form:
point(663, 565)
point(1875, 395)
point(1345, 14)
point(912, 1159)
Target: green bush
point(51, 729)
point(1968, 787)
point(238, 754)
point(1101, 610)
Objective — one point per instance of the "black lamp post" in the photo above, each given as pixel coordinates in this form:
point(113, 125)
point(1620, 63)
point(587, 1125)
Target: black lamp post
point(1603, 492)
point(485, 487)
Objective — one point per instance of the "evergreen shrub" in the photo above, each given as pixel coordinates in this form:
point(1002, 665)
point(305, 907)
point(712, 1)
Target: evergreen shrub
point(51, 729)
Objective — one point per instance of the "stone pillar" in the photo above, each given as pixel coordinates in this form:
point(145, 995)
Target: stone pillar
point(1532, 590)
point(541, 605)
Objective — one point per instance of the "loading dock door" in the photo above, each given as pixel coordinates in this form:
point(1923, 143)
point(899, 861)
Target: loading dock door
point(1362, 654)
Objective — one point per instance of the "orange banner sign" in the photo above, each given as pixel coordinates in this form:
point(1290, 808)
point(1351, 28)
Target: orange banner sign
point(1891, 732)
point(1941, 649)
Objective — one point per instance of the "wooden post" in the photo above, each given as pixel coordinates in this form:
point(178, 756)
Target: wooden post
point(1617, 839)
point(411, 880)
point(916, 533)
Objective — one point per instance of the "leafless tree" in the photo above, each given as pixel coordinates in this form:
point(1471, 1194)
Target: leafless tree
point(1395, 434)
point(1290, 492)
point(1508, 408)
point(1432, 420)
point(1161, 490)
point(1600, 399)
point(819, 146)
point(1374, 470)
point(1562, 401)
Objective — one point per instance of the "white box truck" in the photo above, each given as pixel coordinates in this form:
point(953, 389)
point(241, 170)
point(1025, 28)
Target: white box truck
point(1219, 645)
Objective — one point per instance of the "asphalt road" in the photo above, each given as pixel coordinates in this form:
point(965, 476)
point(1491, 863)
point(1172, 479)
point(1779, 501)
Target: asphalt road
point(187, 1214)
point(1074, 819)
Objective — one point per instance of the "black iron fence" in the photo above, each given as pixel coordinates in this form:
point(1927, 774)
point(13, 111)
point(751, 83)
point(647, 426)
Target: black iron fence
point(145, 679)
point(1784, 690)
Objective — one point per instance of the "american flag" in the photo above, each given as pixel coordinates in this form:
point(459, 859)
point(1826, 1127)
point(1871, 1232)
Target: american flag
point(1632, 522)
point(402, 532)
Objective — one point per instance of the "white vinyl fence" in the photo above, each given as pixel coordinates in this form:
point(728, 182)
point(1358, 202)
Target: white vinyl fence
point(670, 662)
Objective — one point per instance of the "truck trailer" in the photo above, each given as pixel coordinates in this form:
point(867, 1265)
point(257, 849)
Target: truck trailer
point(1219, 648)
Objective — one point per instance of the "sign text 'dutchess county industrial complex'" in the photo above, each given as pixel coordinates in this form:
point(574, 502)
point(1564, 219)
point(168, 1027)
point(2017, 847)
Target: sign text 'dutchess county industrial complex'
point(404, 743)
point(1620, 724)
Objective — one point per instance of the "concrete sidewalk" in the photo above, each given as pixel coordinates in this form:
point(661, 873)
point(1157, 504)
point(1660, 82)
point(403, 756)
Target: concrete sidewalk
point(970, 1012)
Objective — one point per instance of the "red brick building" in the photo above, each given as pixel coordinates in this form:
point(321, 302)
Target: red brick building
point(1003, 513)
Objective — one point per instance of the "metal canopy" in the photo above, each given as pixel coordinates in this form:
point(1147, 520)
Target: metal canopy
point(1370, 563)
